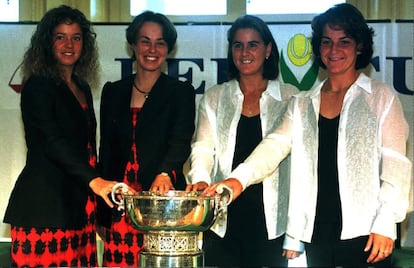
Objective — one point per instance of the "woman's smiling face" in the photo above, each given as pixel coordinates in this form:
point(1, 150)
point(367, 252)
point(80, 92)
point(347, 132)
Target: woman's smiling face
point(151, 49)
point(338, 51)
point(249, 52)
point(67, 44)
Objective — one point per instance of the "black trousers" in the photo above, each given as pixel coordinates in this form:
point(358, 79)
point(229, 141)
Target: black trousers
point(230, 252)
point(341, 253)
point(246, 241)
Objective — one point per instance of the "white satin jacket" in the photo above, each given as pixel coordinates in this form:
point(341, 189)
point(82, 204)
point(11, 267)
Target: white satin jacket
point(214, 143)
point(374, 173)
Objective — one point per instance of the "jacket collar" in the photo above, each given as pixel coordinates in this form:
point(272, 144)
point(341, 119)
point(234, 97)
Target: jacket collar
point(363, 82)
point(272, 89)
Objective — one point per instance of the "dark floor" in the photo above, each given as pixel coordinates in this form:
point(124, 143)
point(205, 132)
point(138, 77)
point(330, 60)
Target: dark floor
point(403, 257)
point(4, 254)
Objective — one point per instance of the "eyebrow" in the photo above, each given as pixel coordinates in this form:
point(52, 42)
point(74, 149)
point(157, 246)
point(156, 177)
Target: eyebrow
point(63, 33)
point(146, 37)
point(342, 37)
point(252, 41)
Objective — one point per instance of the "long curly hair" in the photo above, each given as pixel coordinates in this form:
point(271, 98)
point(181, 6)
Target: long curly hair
point(349, 19)
point(39, 59)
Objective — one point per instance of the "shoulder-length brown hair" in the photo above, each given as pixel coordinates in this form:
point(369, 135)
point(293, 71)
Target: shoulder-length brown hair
point(349, 19)
point(271, 64)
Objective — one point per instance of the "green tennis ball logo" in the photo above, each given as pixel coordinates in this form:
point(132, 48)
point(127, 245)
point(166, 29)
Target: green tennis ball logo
point(299, 53)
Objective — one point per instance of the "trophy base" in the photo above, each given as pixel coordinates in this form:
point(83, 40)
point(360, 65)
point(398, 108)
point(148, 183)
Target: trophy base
point(182, 260)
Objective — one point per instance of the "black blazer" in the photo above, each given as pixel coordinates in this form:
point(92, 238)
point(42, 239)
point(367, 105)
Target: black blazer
point(52, 189)
point(163, 133)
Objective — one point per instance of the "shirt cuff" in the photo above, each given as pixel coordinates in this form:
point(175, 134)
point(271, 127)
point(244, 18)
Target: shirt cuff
point(291, 243)
point(243, 174)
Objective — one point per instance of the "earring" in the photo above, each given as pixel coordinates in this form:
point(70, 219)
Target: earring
point(267, 57)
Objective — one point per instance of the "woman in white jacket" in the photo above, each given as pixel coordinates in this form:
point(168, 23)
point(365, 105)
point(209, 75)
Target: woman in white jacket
point(347, 137)
point(232, 119)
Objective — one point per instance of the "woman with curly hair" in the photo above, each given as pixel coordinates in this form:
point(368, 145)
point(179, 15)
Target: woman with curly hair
point(51, 208)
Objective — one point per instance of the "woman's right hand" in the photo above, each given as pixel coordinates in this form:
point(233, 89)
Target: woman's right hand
point(232, 183)
point(199, 186)
point(103, 188)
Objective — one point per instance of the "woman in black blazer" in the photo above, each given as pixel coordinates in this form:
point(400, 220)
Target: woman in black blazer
point(147, 122)
point(51, 208)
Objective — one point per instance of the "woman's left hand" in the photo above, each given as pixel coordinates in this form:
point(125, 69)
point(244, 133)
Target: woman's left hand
point(381, 247)
point(162, 184)
point(290, 254)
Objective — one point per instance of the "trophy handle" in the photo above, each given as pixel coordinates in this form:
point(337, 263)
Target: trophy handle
point(120, 203)
point(226, 196)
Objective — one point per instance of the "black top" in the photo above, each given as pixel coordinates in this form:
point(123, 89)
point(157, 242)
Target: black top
point(163, 133)
point(328, 207)
point(246, 213)
point(53, 187)
point(249, 135)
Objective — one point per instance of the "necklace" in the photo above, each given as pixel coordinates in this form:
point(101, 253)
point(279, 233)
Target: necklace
point(145, 93)
point(250, 106)
point(251, 101)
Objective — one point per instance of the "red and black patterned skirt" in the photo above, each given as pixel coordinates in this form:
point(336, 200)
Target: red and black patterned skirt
point(55, 247)
point(122, 242)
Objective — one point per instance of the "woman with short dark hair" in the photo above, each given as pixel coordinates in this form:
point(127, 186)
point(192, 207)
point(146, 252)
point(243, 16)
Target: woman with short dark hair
point(233, 119)
point(347, 139)
point(147, 121)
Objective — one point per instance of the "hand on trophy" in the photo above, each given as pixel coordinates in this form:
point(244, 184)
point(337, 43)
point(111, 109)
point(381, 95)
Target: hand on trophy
point(199, 186)
point(162, 184)
point(232, 185)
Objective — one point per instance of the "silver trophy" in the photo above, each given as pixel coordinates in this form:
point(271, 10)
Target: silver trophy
point(172, 223)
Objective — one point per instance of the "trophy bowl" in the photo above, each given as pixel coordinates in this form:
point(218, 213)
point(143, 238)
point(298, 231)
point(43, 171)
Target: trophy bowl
point(171, 223)
point(174, 211)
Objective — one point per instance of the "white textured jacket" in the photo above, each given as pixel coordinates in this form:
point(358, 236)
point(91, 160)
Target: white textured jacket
point(214, 144)
point(374, 173)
